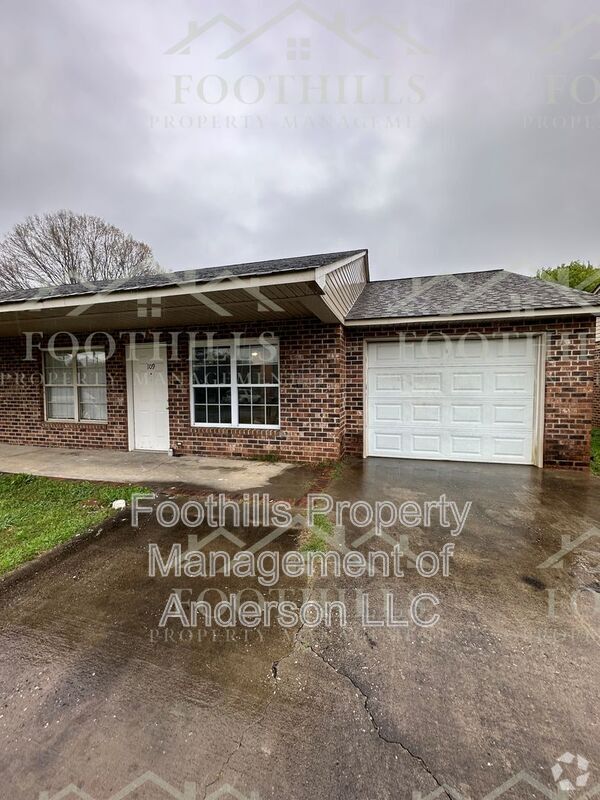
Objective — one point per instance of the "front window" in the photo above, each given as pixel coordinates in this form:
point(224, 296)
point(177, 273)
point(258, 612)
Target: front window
point(236, 385)
point(75, 386)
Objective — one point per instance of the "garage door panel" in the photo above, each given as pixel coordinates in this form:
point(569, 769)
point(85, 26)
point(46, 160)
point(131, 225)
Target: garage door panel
point(446, 446)
point(465, 446)
point(426, 412)
point(513, 382)
point(467, 382)
point(389, 414)
point(466, 413)
point(465, 408)
point(386, 413)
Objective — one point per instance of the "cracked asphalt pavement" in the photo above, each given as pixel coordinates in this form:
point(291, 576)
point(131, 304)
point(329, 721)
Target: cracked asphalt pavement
point(94, 694)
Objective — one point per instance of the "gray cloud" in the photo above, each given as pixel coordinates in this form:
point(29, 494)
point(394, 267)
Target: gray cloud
point(465, 165)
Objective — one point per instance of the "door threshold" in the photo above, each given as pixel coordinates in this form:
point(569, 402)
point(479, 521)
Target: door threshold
point(156, 452)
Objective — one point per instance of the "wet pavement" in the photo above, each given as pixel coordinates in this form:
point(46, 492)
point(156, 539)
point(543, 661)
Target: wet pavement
point(156, 469)
point(94, 694)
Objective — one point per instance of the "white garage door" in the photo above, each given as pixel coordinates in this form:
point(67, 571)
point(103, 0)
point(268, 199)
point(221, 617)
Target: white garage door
point(465, 400)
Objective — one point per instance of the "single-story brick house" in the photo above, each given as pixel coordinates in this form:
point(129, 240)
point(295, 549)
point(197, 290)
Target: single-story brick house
point(305, 359)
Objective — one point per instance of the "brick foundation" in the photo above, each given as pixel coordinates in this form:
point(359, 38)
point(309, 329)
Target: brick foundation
point(321, 393)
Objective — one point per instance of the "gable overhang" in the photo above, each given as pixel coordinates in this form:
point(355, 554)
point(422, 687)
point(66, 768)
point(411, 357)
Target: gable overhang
point(280, 295)
point(577, 311)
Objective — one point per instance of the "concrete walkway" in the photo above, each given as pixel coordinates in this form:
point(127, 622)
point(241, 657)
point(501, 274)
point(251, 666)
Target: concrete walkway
point(158, 469)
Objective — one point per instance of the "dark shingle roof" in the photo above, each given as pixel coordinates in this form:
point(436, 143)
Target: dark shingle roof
point(167, 279)
point(464, 293)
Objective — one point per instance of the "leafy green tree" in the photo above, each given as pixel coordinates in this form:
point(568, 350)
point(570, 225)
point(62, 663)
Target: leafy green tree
point(577, 275)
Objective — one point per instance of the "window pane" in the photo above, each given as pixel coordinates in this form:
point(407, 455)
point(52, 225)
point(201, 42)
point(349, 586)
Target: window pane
point(243, 372)
point(257, 354)
point(200, 413)
point(243, 354)
point(272, 396)
point(92, 403)
point(91, 368)
point(212, 376)
point(212, 396)
point(245, 415)
point(226, 415)
point(258, 415)
point(213, 414)
point(93, 411)
point(92, 394)
point(270, 354)
point(272, 415)
point(60, 403)
point(212, 366)
point(258, 396)
point(271, 373)
point(58, 369)
point(244, 395)
point(217, 355)
point(199, 375)
point(199, 396)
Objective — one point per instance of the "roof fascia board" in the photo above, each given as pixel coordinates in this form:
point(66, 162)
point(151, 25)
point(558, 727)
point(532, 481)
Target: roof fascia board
point(546, 312)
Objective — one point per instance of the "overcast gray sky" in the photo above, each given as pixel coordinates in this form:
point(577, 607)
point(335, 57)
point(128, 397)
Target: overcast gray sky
point(470, 140)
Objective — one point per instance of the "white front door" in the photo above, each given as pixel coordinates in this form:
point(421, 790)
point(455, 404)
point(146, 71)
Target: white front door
point(149, 398)
point(472, 400)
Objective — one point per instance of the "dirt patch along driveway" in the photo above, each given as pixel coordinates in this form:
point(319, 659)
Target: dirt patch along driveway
point(94, 695)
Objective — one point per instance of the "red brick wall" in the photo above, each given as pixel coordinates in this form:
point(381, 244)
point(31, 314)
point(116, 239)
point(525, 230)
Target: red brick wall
point(311, 396)
point(569, 382)
point(596, 414)
point(321, 394)
point(22, 402)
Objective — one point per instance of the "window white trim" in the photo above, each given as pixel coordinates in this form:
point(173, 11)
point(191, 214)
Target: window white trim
point(75, 420)
point(233, 343)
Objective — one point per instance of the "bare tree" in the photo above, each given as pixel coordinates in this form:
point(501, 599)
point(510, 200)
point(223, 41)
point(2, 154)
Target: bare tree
point(64, 247)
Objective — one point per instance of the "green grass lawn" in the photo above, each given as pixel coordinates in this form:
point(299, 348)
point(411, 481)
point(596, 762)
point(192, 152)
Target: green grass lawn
point(596, 451)
point(38, 513)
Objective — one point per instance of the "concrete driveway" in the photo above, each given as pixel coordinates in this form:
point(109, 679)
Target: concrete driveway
point(507, 680)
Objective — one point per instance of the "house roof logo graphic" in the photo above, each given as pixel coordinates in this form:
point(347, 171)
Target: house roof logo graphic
point(559, 45)
point(195, 31)
point(522, 777)
point(334, 26)
point(568, 545)
point(190, 791)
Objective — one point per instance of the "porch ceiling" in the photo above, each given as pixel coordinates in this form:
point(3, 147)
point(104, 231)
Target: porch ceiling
point(194, 306)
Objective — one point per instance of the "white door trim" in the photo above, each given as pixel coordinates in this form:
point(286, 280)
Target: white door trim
point(129, 388)
point(540, 386)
